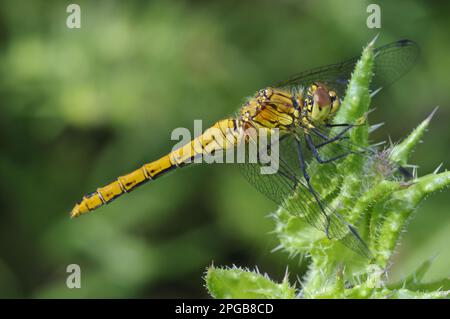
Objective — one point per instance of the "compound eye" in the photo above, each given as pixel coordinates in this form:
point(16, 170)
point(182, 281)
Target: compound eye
point(321, 97)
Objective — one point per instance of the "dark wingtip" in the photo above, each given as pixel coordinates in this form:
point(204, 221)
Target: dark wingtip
point(404, 42)
point(408, 43)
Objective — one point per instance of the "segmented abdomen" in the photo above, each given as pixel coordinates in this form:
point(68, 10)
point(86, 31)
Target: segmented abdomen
point(221, 136)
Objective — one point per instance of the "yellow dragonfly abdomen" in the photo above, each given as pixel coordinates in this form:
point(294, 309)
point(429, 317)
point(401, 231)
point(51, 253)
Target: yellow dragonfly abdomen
point(207, 143)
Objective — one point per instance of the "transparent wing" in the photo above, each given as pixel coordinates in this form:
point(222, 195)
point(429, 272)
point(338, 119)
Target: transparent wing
point(392, 61)
point(289, 182)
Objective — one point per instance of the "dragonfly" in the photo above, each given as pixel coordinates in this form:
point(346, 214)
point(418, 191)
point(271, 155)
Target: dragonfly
point(301, 109)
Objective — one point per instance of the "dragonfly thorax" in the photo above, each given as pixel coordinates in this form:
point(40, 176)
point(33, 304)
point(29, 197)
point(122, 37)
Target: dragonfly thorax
point(271, 108)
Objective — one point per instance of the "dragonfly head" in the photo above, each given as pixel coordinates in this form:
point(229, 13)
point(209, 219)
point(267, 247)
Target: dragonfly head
point(320, 102)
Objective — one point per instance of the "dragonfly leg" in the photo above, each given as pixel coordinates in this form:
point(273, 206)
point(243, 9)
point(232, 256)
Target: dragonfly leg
point(405, 172)
point(339, 124)
point(313, 149)
point(339, 136)
point(301, 159)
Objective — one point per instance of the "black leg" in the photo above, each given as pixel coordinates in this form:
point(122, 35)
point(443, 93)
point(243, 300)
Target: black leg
point(405, 172)
point(339, 136)
point(301, 160)
point(340, 124)
point(313, 149)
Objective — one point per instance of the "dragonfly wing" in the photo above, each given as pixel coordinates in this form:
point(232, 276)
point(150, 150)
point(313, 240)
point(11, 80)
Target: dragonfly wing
point(288, 188)
point(335, 76)
point(392, 61)
point(274, 186)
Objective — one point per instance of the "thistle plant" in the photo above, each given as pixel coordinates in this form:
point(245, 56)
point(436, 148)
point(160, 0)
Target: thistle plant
point(376, 201)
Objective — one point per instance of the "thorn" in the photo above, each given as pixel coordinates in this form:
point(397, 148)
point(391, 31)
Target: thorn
point(277, 248)
point(300, 260)
point(371, 43)
point(375, 127)
point(429, 117)
point(438, 168)
point(390, 142)
point(372, 94)
point(300, 282)
point(370, 111)
point(378, 144)
point(286, 274)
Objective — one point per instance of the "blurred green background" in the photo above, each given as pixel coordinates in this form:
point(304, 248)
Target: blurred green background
point(80, 107)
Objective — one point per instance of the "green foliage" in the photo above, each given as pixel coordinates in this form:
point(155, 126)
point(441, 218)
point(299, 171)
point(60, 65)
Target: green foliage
point(241, 283)
point(371, 198)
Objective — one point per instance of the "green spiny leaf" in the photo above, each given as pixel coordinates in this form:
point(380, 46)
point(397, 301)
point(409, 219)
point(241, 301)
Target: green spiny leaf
point(415, 282)
point(400, 207)
point(240, 283)
point(401, 152)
